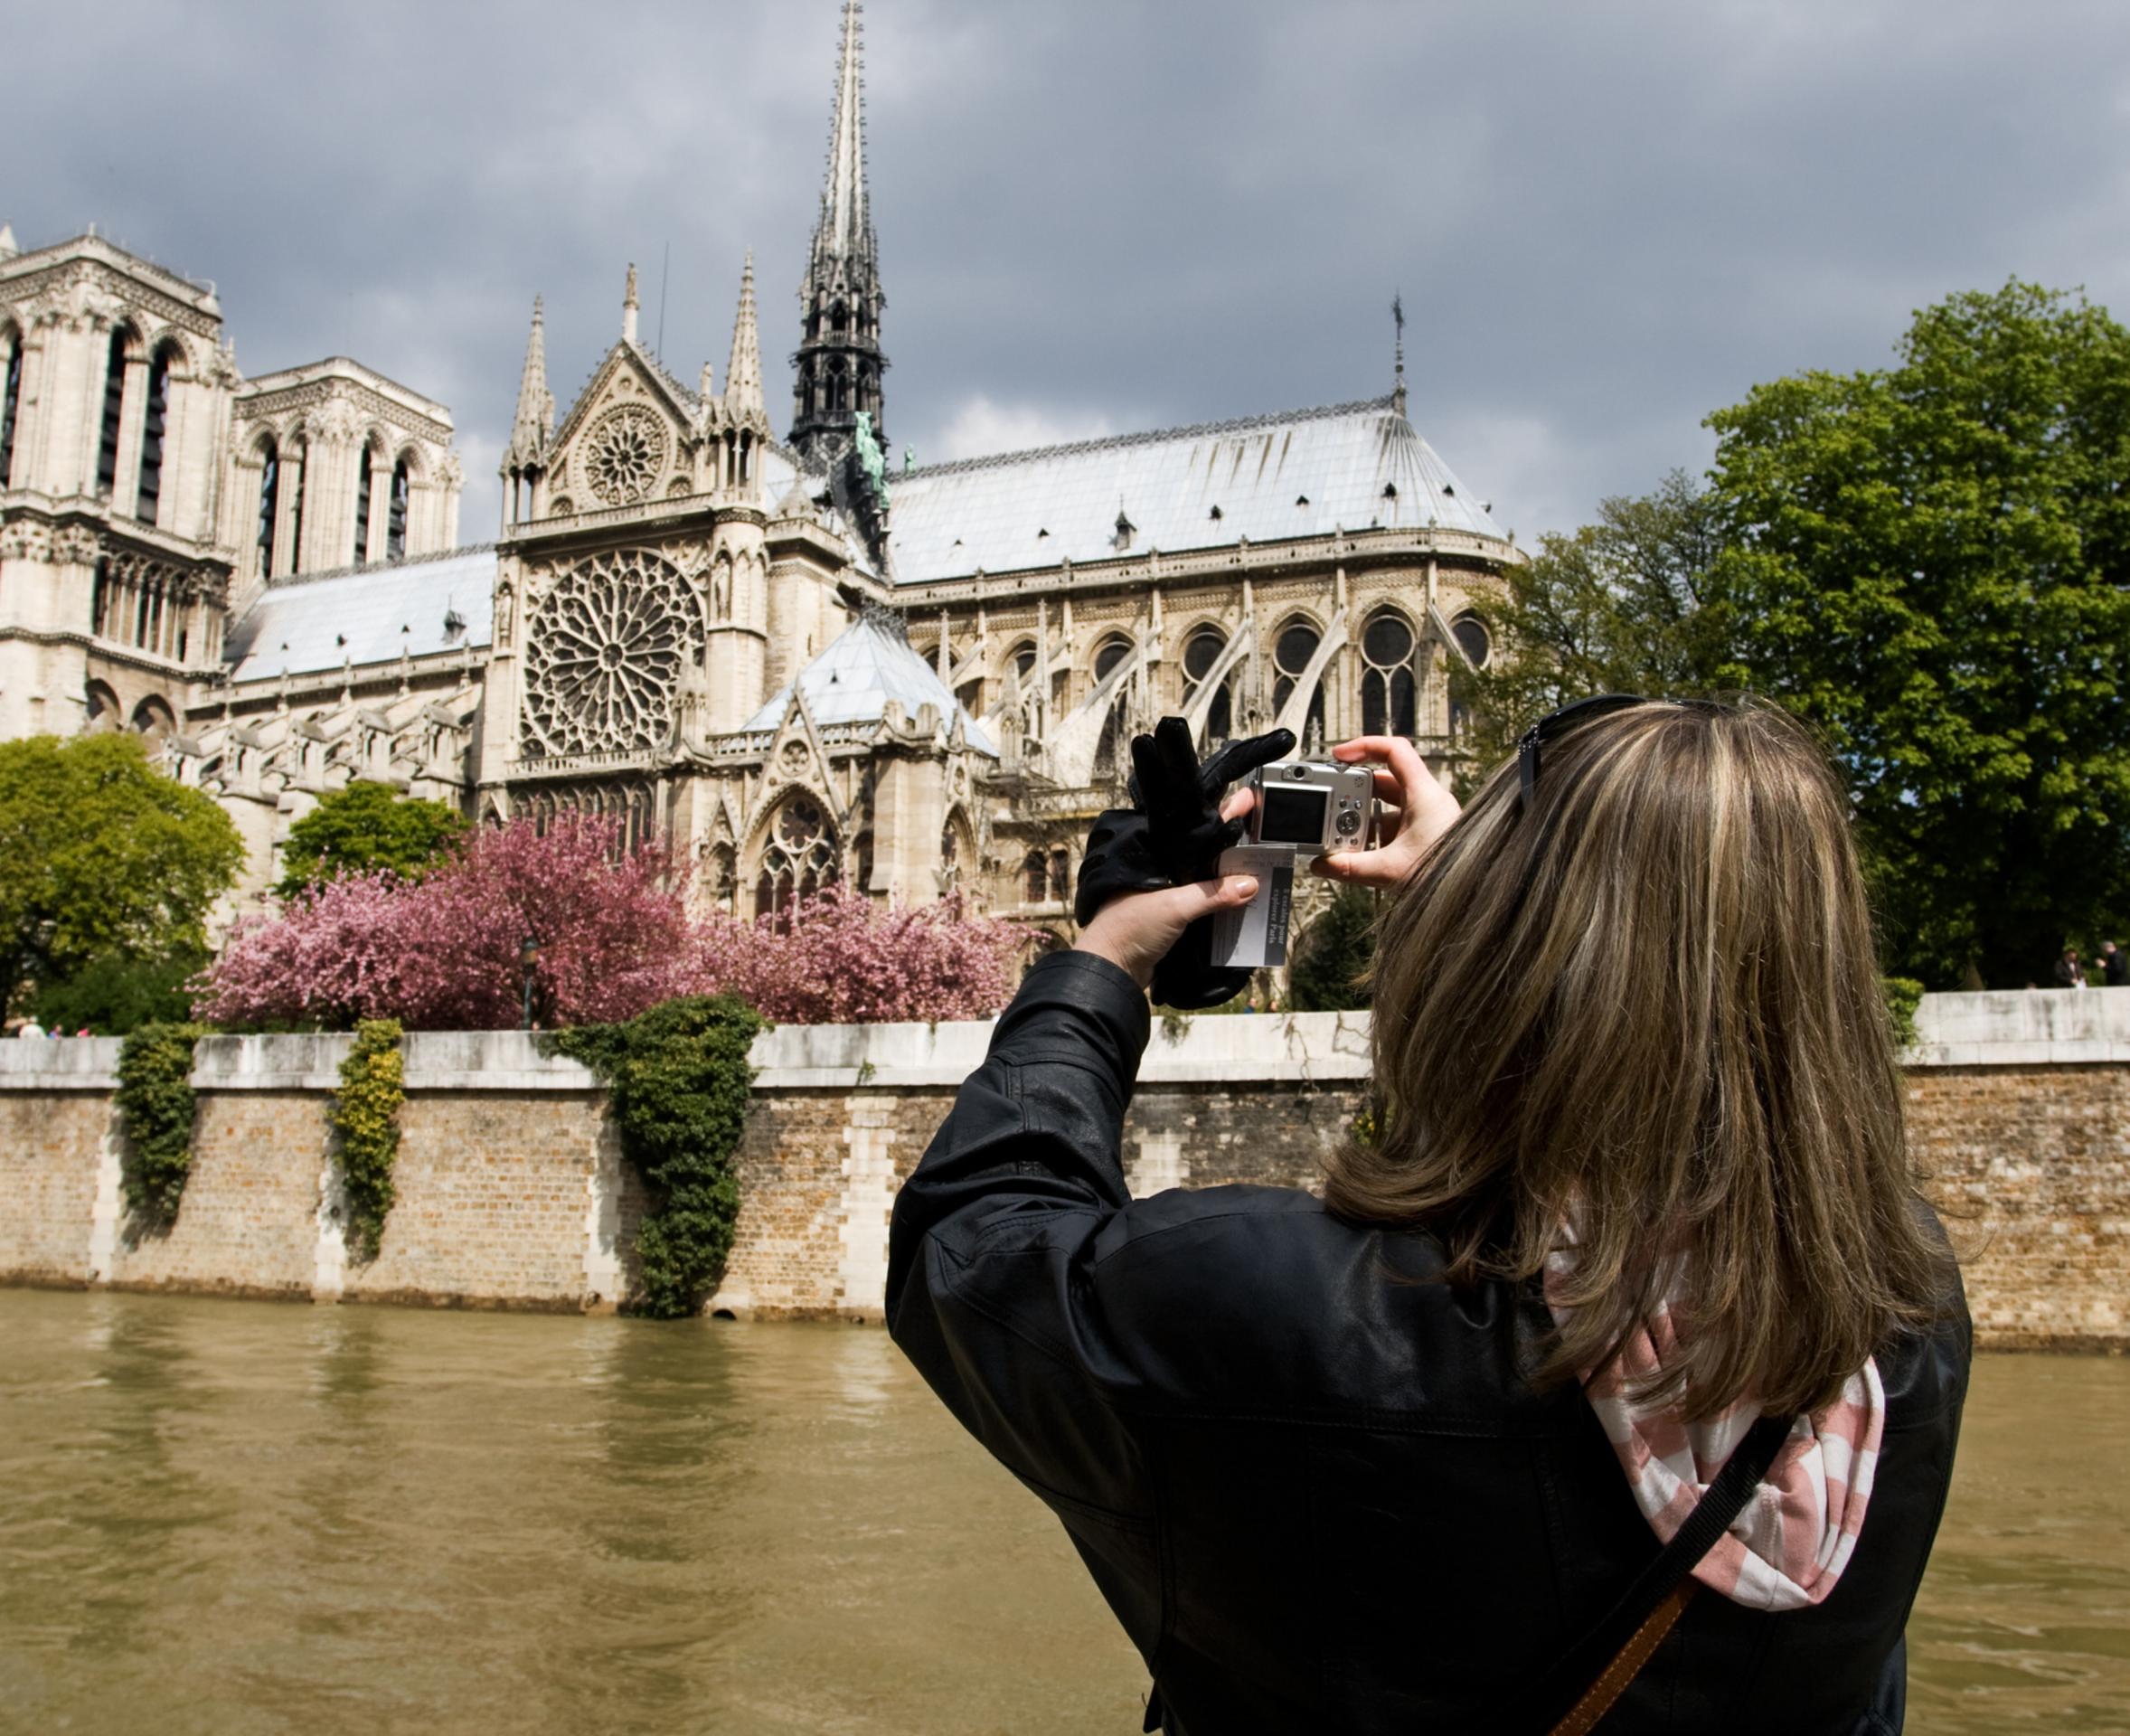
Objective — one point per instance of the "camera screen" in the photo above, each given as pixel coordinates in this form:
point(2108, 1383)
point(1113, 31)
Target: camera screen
point(1293, 815)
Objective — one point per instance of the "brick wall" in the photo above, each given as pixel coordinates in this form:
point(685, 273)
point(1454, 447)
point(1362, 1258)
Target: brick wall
point(513, 1193)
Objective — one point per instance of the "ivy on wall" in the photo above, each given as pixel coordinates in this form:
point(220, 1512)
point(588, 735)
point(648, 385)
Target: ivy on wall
point(154, 1096)
point(678, 1078)
point(365, 1114)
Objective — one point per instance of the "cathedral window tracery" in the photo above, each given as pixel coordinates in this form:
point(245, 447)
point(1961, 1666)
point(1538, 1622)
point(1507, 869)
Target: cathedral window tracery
point(624, 455)
point(604, 653)
point(1473, 636)
point(1388, 688)
point(1291, 653)
point(798, 859)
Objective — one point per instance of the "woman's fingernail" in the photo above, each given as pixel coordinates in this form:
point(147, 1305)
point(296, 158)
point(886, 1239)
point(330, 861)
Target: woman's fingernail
point(1244, 886)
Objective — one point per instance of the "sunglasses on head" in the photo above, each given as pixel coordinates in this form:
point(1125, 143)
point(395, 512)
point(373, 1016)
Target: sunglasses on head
point(1555, 724)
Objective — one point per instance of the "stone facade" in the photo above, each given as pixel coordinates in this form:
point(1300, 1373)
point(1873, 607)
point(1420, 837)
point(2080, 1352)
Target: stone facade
point(513, 1193)
point(795, 660)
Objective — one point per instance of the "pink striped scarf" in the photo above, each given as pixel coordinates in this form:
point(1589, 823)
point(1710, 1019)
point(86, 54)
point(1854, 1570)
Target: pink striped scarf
point(1793, 1537)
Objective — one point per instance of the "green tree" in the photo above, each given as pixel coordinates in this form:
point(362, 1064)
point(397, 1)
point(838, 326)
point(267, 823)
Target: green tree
point(362, 828)
point(1932, 564)
point(104, 856)
point(1620, 606)
point(1334, 952)
point(113, 994)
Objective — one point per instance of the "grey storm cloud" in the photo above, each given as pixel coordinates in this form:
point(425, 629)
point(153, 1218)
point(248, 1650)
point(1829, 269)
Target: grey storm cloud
point(1605, 220)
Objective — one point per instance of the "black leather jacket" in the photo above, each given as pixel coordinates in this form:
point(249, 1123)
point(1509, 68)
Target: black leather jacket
point(1306, 1475)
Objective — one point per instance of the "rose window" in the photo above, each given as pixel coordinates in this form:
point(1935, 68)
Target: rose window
point(604, 654)
point(624, 455)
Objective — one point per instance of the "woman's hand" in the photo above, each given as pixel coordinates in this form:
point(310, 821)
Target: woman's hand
point(1420, 810)
point(1135, 931)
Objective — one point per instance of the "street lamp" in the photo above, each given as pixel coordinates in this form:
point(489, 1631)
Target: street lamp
point(528, 957)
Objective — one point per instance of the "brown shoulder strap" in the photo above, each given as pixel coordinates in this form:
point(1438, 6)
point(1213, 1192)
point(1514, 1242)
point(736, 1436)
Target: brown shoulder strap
point(1597, 1701)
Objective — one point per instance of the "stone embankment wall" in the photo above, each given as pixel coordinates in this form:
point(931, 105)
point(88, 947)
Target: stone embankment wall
point(513, 1193)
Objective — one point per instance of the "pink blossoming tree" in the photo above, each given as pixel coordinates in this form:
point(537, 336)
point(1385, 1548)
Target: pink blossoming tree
point(615, 937)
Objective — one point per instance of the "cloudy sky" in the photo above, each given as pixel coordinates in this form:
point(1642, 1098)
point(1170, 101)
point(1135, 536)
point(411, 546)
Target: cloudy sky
point(1605, 220)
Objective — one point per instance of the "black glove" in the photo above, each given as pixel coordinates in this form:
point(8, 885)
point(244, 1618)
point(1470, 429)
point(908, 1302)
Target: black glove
point(1174, 837)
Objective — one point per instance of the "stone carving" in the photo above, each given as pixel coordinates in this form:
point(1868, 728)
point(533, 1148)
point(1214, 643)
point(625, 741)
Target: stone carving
point(604, 655)
point(624, 455)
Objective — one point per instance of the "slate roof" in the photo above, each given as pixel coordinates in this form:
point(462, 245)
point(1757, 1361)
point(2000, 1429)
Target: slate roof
point(1301, 473)
point(368, 615)
point(868, 663)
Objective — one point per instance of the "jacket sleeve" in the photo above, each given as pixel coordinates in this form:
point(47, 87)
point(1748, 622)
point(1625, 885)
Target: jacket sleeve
point(994, 1235)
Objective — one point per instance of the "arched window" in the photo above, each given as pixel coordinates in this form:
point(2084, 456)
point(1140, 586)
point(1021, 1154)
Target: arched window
point(806, 392)
point(270, 501)
point(107, 449)
point(363, 470)
point(839, 319)
point(1388, 692)
point(1107, 655)
point(395, 524)
point(949, 846)
point(798, 859)
point(10, 398)
point(1111, 653)
point(1291, 652)
point(1060, 874)
point(721, 879)
point(1202, 651)
point(154, 719)
point(839, 387)
point(1035, 877)
point(154, 415)
point(104, 715)
point(303, 486)
point(1473, 636)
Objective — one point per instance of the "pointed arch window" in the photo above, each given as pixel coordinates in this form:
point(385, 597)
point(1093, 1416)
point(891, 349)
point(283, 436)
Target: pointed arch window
point(1111, 653)
point(1035, 877)
point(1473, 636)
point(10, 397)
point(1202, 651)
point(1389, 688)
point(1291, 653)
point(798, 859)
point(395, 524)
point(106, 447)
point(303, 485)
point(154, 416)
point(362, 487)
point(270, 501)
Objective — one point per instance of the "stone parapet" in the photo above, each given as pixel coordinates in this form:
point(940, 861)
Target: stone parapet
point(512, 1192)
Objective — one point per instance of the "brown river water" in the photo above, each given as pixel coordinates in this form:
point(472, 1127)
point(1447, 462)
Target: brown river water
point(238, 1517)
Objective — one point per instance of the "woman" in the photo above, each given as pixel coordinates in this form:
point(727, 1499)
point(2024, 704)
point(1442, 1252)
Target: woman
point(1402, 1459)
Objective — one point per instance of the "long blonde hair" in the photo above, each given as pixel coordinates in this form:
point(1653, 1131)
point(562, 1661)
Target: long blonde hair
point(1650, 1004)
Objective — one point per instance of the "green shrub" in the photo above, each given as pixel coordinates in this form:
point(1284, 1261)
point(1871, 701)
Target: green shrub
point(365, 1114)
point(1903, 996)
point(679, 1079)
point(114, 994)
point(155, 1098)
point(1334, 955)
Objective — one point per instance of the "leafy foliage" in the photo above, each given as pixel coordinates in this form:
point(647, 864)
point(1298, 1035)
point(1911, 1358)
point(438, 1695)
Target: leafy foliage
point(842, 958)
point(106, 857)
point(367, 828)
point(1933, 564)
point(679, 1077)
point(1904, 995)
point(154, 1096)
point(365, 1114)
point(1618, 607)
point(1335, 955)
point(113, 994)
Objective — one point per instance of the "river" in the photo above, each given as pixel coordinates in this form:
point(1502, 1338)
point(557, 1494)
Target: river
point(236, 1517)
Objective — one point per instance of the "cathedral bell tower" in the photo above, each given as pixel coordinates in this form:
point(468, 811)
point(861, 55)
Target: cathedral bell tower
point(839, 364)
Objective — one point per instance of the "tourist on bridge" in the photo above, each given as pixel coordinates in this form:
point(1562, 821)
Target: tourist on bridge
point(1567, 1400)
point(2070, 972)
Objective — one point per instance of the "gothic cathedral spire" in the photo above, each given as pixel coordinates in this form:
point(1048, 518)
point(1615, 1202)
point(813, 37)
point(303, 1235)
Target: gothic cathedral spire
point(839, 363)
point(535, 420)
point(743, 372)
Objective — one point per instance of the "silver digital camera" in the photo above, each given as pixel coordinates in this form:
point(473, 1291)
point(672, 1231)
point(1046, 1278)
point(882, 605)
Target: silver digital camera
point(1311, 807)
point(1303, 807)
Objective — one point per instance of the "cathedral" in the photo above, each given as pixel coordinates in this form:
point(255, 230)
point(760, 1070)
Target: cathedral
point(793, 660)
